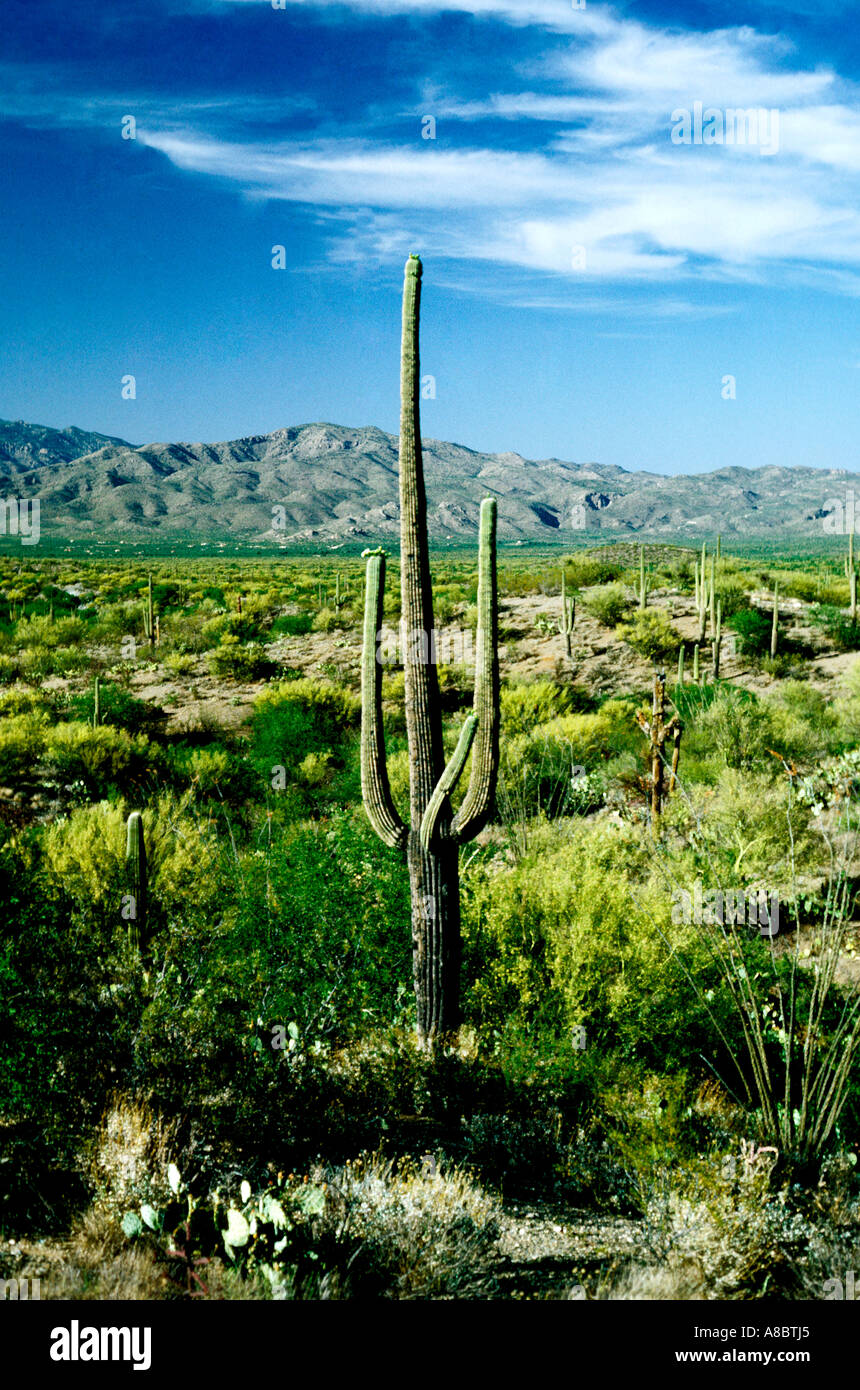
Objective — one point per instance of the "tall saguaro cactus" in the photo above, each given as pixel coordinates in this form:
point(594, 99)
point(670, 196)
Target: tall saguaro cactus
point(432, 837)
point(135, 859)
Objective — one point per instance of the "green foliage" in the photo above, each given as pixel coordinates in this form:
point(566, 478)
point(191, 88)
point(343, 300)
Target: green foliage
point(241, 661)
point(608, 603)
point(838, 627)
point(116, 706)
point(753, 630)
point(527, 704)
point(651, 633)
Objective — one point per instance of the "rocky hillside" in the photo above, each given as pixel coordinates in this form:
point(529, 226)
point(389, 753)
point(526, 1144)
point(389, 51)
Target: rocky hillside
point(328, 483)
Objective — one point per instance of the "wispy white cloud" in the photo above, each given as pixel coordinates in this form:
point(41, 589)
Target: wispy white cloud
point(574, 174)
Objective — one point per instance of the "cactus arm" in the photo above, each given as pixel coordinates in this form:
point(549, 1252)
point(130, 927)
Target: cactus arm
point(477, 804)
point(375, 788)
point(448, 781)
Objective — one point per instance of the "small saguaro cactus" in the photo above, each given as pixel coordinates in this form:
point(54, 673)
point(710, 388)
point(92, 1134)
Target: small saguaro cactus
point(568, 617)
point(431, 838)
point(97, 714)
point(681, 664)
point(696, 664)
point(643, 582)
point(148, 614)
point(135, 860)
point(774, 631)
point(718, 640)
point(657, 731)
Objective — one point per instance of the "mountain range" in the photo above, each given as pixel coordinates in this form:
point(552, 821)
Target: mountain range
point(323, 484)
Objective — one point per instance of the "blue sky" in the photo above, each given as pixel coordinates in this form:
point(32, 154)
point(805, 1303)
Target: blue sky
point(589, 281)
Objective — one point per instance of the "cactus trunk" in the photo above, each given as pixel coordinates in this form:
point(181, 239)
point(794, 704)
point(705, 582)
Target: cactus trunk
point(135, 858)
point(774, 631)
point(433, 833)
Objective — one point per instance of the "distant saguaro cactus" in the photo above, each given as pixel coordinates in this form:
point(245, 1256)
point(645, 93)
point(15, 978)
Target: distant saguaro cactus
point(97, 713)
point(774, 630)
point(148, 614)
point(568, 617)
point(433, 835)
point(135, 860)
point(642, 593)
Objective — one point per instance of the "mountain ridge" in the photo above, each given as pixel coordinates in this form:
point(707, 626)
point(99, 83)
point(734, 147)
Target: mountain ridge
point(321, 482)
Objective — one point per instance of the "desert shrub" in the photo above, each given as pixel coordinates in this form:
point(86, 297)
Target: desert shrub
point(736, 728)
point(805, 723)
point(179, 663)
point(116, 706)
point(580, 935)
point(332, 619)
point(277, 959)
point(582, 570)
point(241, 661)
point(126, 1159)
point(651, 633)
point(84, 859)
point(837, 625)
point(525, 705)
point(608, 603)
point(731, 592)
point(210, 771)
point(240, 626)
point(541, 772)
point(291, 625)
point(753, 630)
point(295, 719)
point(99, 758)
point(744, 830)
point(429, 1235)
point(21, 740)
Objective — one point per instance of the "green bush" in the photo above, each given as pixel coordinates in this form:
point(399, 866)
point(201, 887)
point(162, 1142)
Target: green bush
point(528, 704)
point(651, 633)
point(608, 603)
point(116, 706)
point(753, 630)
point(240, 661)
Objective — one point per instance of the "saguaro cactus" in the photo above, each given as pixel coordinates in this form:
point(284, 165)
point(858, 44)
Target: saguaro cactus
point(718, 640)
point(135, 859)
point(148, 614)
point(643, 582)
point(657, 731)
point(774, 630)
point(97, 713)
point(568, 617)
point(432, 837)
